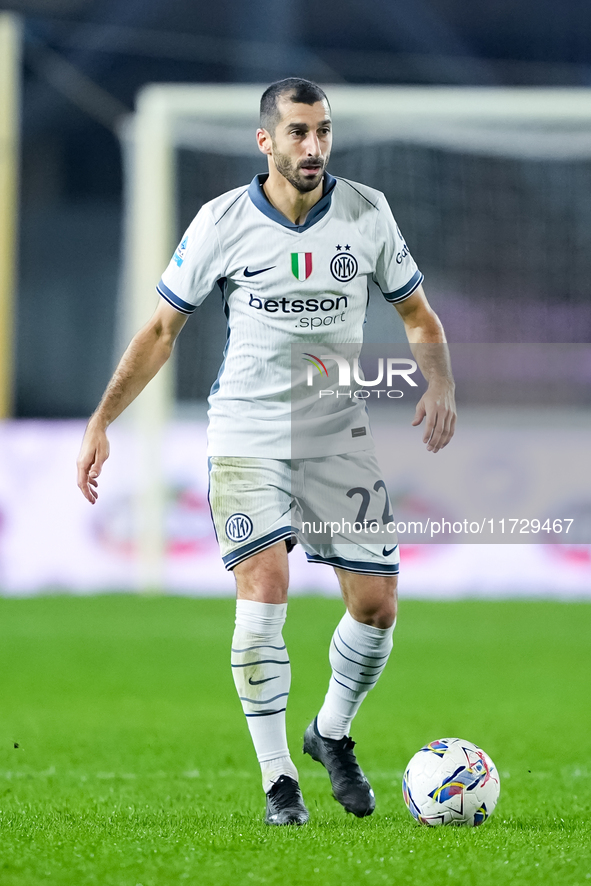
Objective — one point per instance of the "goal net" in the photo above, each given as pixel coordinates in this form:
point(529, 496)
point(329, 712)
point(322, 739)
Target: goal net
point(489, 186)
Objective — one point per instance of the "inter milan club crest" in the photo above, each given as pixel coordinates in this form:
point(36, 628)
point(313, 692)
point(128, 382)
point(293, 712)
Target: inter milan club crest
point(344, 266)
point(238, 527)
point(301, 265)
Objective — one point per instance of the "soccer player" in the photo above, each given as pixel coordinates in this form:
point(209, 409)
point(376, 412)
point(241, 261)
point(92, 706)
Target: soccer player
point(292, 253)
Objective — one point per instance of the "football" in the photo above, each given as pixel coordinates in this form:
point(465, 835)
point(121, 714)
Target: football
point(451, 781)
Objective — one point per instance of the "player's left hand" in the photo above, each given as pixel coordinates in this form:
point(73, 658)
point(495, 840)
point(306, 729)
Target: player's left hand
point(438, 407)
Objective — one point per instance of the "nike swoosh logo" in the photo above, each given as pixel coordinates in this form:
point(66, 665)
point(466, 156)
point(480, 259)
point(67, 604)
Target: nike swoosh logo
point(248, 273)
point(258, 682)
point(386, 553)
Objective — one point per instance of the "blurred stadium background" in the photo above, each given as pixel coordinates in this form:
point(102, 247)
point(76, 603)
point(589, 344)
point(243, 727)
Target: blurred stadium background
point(494, 204)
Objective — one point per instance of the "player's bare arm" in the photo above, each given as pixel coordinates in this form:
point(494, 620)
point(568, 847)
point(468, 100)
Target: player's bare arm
point(148, 351)
point(437, 405)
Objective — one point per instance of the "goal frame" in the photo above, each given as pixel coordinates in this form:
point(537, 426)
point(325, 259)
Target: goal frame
point(150, 235)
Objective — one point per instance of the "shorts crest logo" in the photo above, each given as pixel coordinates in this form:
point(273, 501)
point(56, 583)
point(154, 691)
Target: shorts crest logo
point(344, 266)
point(238, 527)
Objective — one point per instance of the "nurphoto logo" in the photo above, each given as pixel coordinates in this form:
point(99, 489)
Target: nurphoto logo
point(390, 371)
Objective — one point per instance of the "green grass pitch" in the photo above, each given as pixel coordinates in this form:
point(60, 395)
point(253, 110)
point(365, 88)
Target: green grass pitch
point(134, 764)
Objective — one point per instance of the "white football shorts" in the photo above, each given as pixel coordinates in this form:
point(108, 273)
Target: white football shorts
point(336, 507)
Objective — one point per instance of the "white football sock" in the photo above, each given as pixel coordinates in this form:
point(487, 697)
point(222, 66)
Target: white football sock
point(358, 655)
point(262, 675)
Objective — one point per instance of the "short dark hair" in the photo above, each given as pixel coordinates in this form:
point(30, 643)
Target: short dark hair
point(296, 90)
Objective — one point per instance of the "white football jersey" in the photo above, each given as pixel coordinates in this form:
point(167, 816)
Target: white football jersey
point(285, 284)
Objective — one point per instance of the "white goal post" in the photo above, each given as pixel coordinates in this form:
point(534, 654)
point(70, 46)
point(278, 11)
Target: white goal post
point(10, 66)
point(528, 122)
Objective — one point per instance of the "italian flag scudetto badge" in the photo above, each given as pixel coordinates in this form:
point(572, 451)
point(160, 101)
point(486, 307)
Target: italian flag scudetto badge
point(301, 265)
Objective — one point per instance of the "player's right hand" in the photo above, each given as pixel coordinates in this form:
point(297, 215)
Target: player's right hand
point(93, 454)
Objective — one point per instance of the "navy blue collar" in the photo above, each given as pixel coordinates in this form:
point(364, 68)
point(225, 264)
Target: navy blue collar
point(318, 211)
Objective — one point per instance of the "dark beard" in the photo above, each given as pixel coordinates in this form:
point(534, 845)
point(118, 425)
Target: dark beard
point(284, 165)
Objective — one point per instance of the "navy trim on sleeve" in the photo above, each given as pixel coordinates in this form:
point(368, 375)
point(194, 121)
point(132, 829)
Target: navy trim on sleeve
point(406, 290)
point(176, 301)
